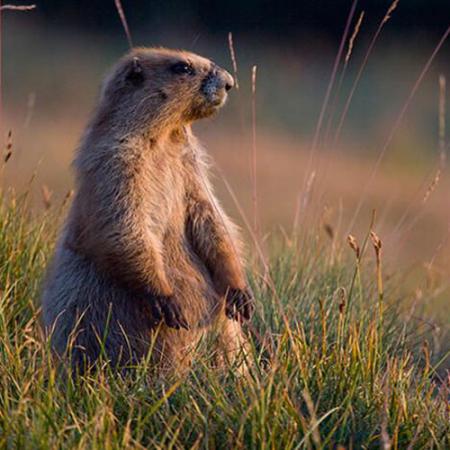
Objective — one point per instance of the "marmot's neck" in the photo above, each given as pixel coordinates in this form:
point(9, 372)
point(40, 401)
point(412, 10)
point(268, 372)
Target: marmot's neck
point(175, 138)
point(180, 135)
point(98, 147)
point(113, 122)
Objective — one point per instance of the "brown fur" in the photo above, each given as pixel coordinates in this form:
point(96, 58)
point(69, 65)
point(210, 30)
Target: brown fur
point(144, 226)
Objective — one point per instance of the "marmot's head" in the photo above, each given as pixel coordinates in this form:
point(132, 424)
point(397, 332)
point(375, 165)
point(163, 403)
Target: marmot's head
point(176, 86)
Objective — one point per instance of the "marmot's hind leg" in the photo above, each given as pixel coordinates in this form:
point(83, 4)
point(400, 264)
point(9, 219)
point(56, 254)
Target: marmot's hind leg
point(233, 348)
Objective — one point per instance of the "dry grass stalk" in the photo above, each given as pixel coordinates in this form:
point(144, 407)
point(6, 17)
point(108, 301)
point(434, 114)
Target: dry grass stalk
point(377, 245)
point(255, 238)
point(370, 48)
point(254, 158)
point(17, 7)
point(333, 106)
point(254, 69)
point(351, 42)
point(333, 77)
point(233, 59)
point(325, 103)
point(439, 248)
point(123, 19)
point(46, 196)
point(313, 417)
point(342, 297)
point(267, 278)
point(390, 11)
point(31, 103)
point(386, 443)
point(409, 226)
point(432, 186)
point(67, 197)
point(309, 185)
point(442, 156)
point(442, 117)
point(426, 357)
point(323, 322)
point(5, 8)
point(302, 201)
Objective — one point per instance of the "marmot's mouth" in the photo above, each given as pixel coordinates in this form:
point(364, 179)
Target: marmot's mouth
point(208, 106)
point(219, 100)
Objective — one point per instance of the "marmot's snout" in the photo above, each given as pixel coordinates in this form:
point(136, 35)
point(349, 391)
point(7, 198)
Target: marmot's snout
point(216, 85)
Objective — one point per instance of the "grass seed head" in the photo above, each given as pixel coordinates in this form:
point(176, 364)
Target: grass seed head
point(329, 230)
point(354, 245)
point(8, 149)
point(376, 242)
point(341, 295)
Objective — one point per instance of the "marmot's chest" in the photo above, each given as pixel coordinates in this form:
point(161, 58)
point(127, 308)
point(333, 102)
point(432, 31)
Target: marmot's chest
point(165, 189)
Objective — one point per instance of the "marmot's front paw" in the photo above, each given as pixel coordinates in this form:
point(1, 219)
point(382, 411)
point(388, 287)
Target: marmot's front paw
point(239, 304)
point(166, 309)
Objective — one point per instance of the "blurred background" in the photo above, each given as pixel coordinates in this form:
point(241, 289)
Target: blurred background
point(316, 166)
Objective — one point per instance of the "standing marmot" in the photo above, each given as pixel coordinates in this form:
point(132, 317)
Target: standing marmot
point(147, 256)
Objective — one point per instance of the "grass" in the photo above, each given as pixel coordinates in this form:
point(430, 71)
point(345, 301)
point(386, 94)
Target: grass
point(337, 362)
point(343, 355)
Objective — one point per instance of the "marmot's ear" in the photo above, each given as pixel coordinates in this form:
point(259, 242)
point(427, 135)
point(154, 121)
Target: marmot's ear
point(135, 74)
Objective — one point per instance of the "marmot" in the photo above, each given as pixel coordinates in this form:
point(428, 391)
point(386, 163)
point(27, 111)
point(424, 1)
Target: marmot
point(147, 258)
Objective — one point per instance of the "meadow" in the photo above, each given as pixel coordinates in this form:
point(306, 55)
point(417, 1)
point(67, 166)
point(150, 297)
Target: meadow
point(340, 358)
point(347, 243)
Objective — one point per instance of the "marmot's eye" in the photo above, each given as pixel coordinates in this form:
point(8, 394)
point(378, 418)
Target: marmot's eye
point(182, 68)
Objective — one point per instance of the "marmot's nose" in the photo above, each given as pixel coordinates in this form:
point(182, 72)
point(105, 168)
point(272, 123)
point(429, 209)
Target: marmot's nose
point(228, 79)
point(216, 83)
point(225, 80)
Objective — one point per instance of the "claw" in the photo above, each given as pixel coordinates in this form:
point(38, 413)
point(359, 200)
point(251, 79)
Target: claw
point(165, 309)
point(239, 304)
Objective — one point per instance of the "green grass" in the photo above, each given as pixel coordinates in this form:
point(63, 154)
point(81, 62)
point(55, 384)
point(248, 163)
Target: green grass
point(340, 365)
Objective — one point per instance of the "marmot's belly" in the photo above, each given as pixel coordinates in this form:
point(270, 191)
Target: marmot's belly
point(191, 281)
